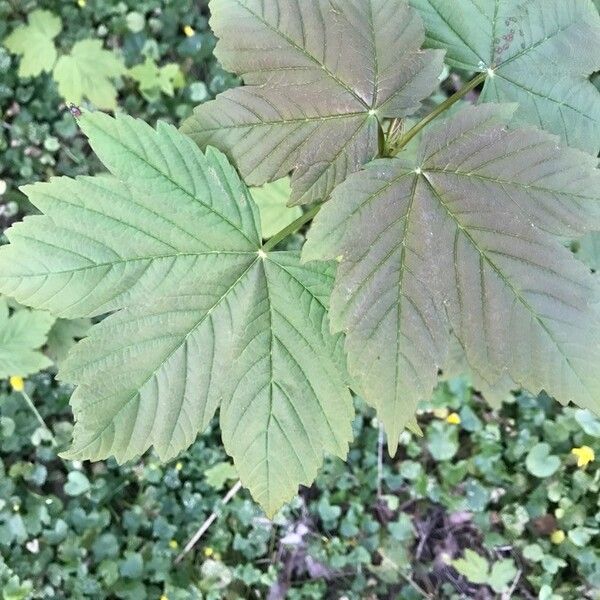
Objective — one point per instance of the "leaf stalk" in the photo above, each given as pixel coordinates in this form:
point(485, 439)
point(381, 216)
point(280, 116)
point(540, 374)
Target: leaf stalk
point(404, 140)
point(442, 108)
point(292, 228)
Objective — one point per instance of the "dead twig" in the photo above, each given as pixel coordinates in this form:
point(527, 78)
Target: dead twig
point(211, 519)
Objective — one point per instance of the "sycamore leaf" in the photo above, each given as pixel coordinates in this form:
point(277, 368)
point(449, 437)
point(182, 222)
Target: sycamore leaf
point(151, 77)
point(334, 71)
point(542, 53)
point(22, 334)
point(63, 336)
point(272, 199)
point(589, 250)
point(87, 72)
point(204, 317)
point(34, 42)
point(465, 240)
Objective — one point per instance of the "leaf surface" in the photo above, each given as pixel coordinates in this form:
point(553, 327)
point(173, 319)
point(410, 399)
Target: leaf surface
point(171, 241)
point(320, 77)
point(542, 53)
point(589, 250)
point(22, 334)
point(88, 72)
point(465, 240)
point(272, 199)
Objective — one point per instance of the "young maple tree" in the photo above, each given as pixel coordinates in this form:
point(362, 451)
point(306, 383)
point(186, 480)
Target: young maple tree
point(437, 247)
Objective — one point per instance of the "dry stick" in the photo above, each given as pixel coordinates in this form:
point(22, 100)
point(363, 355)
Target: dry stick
point(508, 595)
point(202, 529)
point(380, 460)
point(34, 410)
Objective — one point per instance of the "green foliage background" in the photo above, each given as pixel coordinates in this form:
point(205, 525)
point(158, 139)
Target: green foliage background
point(502, 485)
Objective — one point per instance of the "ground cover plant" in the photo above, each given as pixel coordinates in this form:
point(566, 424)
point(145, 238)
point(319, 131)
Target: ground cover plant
point(440, 167)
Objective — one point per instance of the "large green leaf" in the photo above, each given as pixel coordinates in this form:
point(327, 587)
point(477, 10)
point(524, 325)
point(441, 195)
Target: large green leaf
point(589, 250)
point(22, 334)
point(205, 318)
point(34, 42)
point(540, 54)
point(465, 240)
point(88, 72)
point(334, 70)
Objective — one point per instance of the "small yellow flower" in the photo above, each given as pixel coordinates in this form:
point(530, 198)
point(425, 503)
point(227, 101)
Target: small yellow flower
point(453, 419)
point(585, 455)
point(173, 544)
point(179, 466)
point(208, 551)
point(163, 597)
point(189, 30)
point(440, 413)
point(17, 383)
point(81, 3)
point(558, 537)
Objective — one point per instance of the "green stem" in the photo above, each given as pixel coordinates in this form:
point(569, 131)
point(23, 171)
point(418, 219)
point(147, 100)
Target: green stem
point(443, 107)
point(34, 410)
point(292, 228)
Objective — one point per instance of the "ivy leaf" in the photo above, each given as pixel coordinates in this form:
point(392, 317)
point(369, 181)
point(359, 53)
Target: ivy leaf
point(87, 73)
point(272, 199)
point(218, 475)
point(541, 54)
point(34, 42)
point(334, 70)
point(21, 336)
point(465, 241)
point(152, 78)
point(204, 317)
point(473, 566)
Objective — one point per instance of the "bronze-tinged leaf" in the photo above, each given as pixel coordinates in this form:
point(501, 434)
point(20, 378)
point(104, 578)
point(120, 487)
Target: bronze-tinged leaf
point(465, 240)
point(321, 76)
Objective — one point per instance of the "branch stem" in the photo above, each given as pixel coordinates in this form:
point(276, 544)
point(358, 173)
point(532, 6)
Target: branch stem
point(292, 228)
point(403, 141)
point(442, 108)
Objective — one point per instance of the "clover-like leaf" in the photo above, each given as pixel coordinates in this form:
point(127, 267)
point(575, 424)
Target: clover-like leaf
point(334, 70)
point(87, 72)
point(465, 241)
point(272, 199)
point(34, 42)
point(539, 53)
point(22, 334)
point(204, 317)
point(540, 463)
